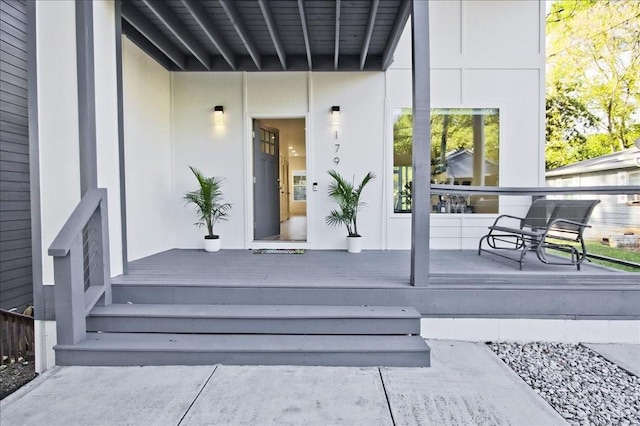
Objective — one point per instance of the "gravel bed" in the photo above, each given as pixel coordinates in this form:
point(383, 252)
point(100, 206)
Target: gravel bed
point(14, 376)
point(583, 387)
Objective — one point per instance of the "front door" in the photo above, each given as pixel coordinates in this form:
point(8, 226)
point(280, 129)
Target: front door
point(266, 182)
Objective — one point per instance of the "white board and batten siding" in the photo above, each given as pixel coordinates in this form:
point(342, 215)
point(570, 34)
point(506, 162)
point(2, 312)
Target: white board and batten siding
point(484, 54)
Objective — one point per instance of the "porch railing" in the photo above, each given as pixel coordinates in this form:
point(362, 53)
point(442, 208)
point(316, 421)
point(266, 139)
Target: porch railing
point(81, 266)
point(618, 218)
point(16, 335)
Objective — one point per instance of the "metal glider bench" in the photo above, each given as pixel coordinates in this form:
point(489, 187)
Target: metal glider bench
point(549, 224)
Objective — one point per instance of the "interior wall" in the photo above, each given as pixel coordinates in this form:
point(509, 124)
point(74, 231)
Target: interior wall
point(483, 54)
point(148, 153)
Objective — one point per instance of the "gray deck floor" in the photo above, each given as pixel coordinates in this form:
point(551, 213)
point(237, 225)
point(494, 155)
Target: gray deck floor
point(372, 268)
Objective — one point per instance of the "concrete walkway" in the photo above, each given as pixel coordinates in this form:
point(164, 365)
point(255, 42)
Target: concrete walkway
point(467, 384)
point(625, 356)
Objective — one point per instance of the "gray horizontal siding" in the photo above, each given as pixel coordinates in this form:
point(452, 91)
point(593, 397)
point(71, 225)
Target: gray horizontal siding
point(15, 274)
point(12, 225)
point(16, 288)
point(14, 142)
point(14, 245)
point(14, 234)
point(22, 281)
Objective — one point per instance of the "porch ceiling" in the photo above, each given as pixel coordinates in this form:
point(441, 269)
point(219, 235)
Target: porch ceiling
point(267, 35)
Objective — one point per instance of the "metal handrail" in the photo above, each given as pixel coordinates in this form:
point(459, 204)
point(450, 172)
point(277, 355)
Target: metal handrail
point(541, 191)
point(76, 222)
point(534, 190)
point(81, 266)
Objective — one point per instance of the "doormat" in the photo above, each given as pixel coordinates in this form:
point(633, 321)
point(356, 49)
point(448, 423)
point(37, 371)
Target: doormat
point(279, 251)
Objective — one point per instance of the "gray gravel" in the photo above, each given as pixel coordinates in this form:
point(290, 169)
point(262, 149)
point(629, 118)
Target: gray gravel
point(14, 376)
point(583, 387)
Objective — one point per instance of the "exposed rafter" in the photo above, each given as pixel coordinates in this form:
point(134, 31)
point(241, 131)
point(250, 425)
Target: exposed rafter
point(238, 24)
point(138, 21)
point(202, 18)
point(367, 36)
point(396, 32)
point(336, 53)
point(143, 43)
point(271, 26)
point(173, 24)
point(305, 32)
point(229, 35)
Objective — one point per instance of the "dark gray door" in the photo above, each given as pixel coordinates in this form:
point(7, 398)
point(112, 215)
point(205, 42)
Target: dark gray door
point(266, 187)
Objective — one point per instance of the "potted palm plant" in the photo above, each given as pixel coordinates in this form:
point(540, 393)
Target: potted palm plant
point(209, 206)
point(347, 196)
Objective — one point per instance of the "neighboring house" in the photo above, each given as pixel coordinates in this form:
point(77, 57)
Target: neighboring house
point(616, 214)
point(16, 283)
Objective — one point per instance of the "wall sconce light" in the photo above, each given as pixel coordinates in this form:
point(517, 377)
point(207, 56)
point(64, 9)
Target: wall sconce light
point(335, 115)
point(218, 115)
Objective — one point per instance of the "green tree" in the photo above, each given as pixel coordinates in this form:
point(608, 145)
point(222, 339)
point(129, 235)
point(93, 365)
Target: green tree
point(593, 49)
point(568, 119)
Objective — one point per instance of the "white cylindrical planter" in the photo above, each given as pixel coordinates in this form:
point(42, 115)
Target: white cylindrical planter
point(354, 244)
point(212, 244)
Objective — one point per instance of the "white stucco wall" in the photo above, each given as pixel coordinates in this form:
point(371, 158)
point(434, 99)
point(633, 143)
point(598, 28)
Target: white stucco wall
point(483, 54)
point(58, 121)
point(108, 151)
point(58, 126)
point(148, 153)
point(215, 150)
point(361, 138)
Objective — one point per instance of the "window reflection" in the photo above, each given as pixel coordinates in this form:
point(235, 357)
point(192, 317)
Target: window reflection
point(457, 134)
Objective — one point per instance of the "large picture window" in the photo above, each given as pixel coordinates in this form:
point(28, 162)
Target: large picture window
point(465, 150)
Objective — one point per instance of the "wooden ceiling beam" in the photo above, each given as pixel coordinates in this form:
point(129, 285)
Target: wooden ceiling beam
point(238, 24)
point(173, 24)
point(367, 36)
point(140, 22)
point(143, 43)
point(396, 31)
point(206, 24)
point(273, 32)
point(336, 52)
point(305, 32)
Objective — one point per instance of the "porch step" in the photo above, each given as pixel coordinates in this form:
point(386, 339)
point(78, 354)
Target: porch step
point(256, 294)
point(126, 349)
point(254, 319)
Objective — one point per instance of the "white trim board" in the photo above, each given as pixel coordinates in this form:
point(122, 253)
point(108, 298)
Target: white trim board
point(529, 330)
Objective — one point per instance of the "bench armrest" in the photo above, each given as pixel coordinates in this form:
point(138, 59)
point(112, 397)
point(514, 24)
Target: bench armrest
point(508, 216)
point(553, 223)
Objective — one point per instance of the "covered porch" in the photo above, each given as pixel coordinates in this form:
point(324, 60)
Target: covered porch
point(240, 307)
